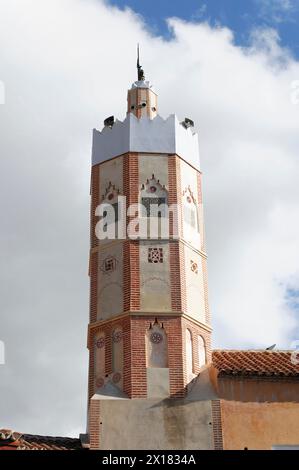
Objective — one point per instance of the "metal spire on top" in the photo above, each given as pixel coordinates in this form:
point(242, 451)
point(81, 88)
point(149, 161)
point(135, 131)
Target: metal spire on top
point(140, 71)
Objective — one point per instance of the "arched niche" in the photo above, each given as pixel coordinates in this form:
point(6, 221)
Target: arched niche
point(189, 354)
point(201, 346)
point(156, 346)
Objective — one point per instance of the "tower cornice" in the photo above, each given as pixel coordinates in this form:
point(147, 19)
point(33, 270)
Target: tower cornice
point(145, 135)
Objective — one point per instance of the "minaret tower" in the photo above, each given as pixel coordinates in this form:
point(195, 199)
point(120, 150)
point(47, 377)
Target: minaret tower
point(149, 330)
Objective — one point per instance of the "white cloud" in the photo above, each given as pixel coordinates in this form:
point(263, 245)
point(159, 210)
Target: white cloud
point(67, 65)
point(277, 11)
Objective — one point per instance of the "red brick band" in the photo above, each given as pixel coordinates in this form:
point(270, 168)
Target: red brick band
point(217, 425)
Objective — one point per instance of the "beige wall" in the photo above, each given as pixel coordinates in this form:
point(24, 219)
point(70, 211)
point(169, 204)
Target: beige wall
point(154, 279)
point(110, 286)
point(155, 424)
point(194, 285)
point(111, 171)
point(189, 183)
point(153, 164)
point(259, 425)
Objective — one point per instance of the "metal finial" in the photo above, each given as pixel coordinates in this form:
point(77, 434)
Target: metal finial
point(140, 72)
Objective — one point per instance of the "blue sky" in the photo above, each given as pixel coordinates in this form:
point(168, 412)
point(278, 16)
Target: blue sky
point(241, 16)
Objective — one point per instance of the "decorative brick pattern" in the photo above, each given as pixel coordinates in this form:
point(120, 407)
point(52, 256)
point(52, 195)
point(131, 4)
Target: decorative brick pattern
point(94, 424)
point(217, 425)
point(173, 330)
point(93, 261)
point(176, 270)
point(155, 255)
point(134, 330)
point(131, 276)
point(131, 248)
point(172, 326)
point(108, 328)
point(138, 386)
point(93, 282)
point(133, 376)
point(109, 265)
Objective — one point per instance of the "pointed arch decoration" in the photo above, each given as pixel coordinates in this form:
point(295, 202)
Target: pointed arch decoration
point(156, 345)
point(153, 194)
point(189, 354)
point(202, 358)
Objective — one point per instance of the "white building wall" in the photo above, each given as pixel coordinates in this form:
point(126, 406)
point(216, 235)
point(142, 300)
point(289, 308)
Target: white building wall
point(143, 135)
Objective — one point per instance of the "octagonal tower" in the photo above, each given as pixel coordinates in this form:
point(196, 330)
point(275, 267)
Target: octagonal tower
point(149, 330)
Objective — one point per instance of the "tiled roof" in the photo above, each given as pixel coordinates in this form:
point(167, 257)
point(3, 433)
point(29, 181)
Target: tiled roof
point(255, 363)
point(16, 441)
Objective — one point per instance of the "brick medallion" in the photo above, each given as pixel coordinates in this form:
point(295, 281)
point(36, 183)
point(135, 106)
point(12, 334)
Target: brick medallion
point(100, 382)
point(109, 265)
point(194, 267)
point(155, 255)
point(117, 336)
point(100, 343)
point(116, 378)
point(156, 338)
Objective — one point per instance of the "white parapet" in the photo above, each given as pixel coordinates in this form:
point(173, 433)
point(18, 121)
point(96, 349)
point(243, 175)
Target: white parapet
point(145, 135)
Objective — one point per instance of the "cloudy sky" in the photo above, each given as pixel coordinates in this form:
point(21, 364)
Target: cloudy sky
point(65, 66)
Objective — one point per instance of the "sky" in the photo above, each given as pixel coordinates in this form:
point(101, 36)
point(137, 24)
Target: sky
point(239, 16)
point(65, 65)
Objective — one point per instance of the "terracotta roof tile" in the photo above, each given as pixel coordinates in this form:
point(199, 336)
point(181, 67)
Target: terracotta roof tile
point(16, 441)
point(255, 363)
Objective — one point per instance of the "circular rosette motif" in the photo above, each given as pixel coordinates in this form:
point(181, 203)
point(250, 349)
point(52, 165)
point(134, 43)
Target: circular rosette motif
point(100, 382)
point(100, 343)
point(117, 336)
point(156, 338)
point(194, 267)
point(116, 378)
